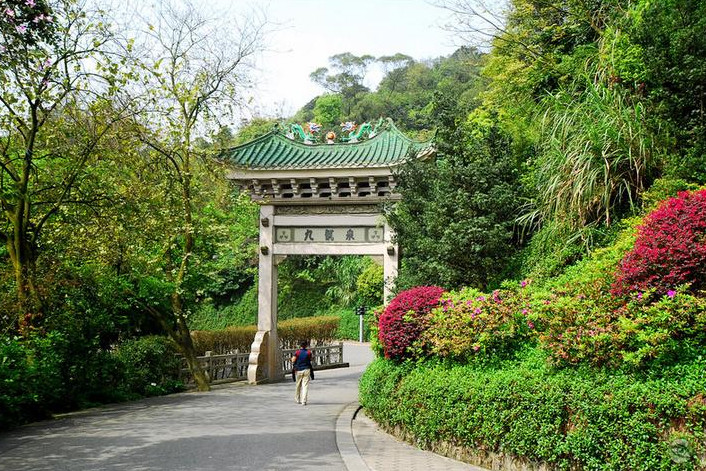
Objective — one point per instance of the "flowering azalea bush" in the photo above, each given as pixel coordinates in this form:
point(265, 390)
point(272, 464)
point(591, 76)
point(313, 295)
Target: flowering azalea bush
point(469, 323)
point(404, 319)
point(670, 249)
point(602, 330)
point(577, 329)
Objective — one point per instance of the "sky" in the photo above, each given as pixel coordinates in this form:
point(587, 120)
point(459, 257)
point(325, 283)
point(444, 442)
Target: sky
point(308, 32)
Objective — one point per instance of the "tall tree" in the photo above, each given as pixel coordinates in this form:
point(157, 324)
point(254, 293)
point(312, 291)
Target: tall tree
point(455, 222)
point(346, 76)
point(52, 69)
point(194, 70)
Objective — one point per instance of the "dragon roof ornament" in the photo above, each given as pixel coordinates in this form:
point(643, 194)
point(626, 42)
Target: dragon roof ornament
point(350, 132)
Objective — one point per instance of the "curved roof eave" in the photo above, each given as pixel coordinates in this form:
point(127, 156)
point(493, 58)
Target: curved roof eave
point(274, 151)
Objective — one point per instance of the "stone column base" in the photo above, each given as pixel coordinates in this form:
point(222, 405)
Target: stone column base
point(258, 360)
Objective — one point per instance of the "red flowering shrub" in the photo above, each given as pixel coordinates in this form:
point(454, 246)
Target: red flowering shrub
point(403, 320)
point(670, 249)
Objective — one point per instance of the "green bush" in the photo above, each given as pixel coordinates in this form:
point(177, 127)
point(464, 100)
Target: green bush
point(42, 374)
point(370, 285)
point(317, 330)
point(149, 366)
point(223, 341)
point(569, 418)
point(580, 321)
point(581, 329)
point(209, 316)
point(30, 380)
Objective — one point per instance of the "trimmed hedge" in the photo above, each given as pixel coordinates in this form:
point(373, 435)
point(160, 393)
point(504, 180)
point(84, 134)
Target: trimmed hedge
point(317, 330)
point(567, 418)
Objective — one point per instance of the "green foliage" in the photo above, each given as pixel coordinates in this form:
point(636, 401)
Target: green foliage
point(242, 312)
point(571, 419)
point(349, 325)
point(317, 330)
point(670, 36)
point(149, 367)
point(664, 188)
point(347, 74)
point(42, 374)
point(470, 323)
point(30, 378)
point(370, 285)
point(253, 129)
point(309, 286)
point(327, 111)
point(597, 157)
point(406, 91)
point(455, 222)
point(223, 341)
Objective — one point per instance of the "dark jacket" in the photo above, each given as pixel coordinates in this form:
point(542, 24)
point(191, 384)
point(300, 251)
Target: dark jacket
point(302, 361)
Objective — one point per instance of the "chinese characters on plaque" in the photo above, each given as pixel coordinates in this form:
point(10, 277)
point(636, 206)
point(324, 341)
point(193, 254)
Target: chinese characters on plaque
point(337, 235)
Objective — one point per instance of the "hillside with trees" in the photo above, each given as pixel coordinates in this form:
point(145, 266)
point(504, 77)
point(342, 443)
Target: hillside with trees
point(581, 347)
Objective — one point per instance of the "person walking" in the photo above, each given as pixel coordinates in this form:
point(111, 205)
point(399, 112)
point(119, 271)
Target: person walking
point(303, 372)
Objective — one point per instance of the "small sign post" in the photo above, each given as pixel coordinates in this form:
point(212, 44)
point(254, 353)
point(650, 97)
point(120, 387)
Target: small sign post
point(360, 310)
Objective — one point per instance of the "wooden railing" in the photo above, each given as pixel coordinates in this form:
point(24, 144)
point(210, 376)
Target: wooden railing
point(234, 366)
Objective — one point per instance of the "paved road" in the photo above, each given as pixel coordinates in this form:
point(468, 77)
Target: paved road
point(233, 427)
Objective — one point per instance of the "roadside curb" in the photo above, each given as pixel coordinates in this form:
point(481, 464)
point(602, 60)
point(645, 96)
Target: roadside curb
point(344, 439)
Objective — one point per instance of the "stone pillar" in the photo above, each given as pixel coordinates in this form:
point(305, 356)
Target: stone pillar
point(264, 361)
point(390, 260)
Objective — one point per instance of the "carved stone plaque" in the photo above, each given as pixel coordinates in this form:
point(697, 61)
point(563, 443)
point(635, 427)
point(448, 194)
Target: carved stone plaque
point(330, 235)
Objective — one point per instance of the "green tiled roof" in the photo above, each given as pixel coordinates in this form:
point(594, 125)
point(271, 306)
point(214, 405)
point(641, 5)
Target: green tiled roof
point(274, 150)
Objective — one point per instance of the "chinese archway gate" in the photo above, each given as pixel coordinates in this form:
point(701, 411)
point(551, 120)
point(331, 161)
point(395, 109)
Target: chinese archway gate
point(317, 199)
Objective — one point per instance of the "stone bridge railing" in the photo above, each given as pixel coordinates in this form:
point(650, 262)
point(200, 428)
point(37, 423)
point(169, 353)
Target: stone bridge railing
point(234, 366)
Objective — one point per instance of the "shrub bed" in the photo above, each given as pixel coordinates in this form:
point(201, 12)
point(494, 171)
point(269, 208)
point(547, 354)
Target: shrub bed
point(572, 418)
point(470, 323)
point(317, 330)
point(600, 368)
point(38, 376)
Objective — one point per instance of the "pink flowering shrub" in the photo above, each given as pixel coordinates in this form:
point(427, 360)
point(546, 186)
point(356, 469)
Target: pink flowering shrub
point(578, 329)
point(670, 249)
point(645, 329)
point(469, 323)
point(404, 319)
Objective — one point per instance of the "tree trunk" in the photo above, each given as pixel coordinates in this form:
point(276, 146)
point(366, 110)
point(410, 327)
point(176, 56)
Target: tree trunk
point(187, 349)
point(182, 335)
point(175, 326)
point(22, 258)
point(182, 329)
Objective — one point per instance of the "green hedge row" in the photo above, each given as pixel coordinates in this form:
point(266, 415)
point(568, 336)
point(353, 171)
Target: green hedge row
point(579, 418)
point(317, 330)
